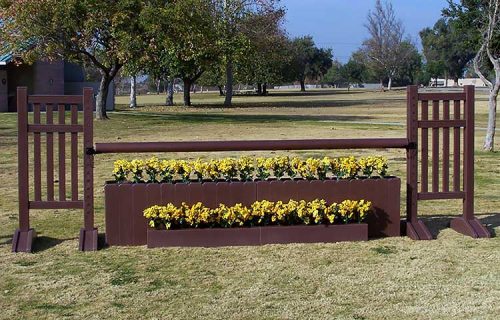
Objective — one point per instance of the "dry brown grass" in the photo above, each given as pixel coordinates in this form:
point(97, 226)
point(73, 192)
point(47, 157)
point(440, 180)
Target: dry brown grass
point(450, 277)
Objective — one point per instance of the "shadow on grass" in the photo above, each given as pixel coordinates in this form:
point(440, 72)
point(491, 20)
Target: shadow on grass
point(231, 118)
point(43, 243)
point(436, 224)
point(305, 93)
point(6, 239)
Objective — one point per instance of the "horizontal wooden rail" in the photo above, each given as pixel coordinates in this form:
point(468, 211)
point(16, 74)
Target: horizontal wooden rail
point(55, 128)
point(441, 124)
point(441, 195)
point(78, 204)
point(55, 99)
point(437, 96)
point(250, 145)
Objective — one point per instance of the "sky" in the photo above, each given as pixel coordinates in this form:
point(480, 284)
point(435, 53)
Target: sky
point(339, 24)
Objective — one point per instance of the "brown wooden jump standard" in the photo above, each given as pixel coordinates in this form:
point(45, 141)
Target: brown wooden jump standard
point(24, 235)
point(415, 229)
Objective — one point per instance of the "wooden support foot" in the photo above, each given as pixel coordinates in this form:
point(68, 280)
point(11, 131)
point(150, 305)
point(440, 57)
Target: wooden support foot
point(22, 241)
point(470, 227)
point(418, 231)
point(88, 240)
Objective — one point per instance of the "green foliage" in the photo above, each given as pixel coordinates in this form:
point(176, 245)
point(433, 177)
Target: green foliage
point(308, 61)
point(105, 34)
point(102, 33)
point(447, 49)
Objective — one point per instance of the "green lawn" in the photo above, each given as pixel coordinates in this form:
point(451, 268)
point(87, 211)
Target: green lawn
point(452, 277)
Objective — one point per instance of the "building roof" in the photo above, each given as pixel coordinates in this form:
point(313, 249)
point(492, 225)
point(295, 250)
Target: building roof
point(5, 56)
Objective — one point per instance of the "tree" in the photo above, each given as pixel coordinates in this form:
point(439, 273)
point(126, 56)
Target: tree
point(384, 47)
point(411, 66)
point(106, 34)
point(188, 39)
point(481, 20)
point(308, 61)
point(354, 72)
point(446, 50)
point(233, 40)
point(335, 75)
point(268, 54)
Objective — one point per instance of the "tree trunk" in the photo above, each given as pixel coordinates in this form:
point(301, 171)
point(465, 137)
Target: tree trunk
point(456, 81)
point(100, 111)
point(170, 92)
point(389, 85)
point(446, 79)
point(158, 82)
point(302, 85)
point(133, 92)
point(229, 83)
point(259, 89)
point(489, 141)
point(381, 85)
point(264, 89)
point(187, 92)
point(221, 91)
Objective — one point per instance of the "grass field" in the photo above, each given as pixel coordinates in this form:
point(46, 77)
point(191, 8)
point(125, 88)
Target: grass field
point(452, 277)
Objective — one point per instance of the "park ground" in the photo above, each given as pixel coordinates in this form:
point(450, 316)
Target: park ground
point(452, 277)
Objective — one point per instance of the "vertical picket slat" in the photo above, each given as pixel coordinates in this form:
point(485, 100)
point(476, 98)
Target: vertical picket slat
point(62, 155)
point(50, 155)
point(74, 155)
point(446, 148)
point(435, 148)
point(456, 147)
point(37, 154)
point(425, 149)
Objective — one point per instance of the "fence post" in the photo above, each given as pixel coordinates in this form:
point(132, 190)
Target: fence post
point(88, 234)
point(415, 229)
point(468, 224)
point(22, 240)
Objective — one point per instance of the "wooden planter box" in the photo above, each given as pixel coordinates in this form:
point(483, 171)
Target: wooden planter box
point(218, 237)
point(124, 203)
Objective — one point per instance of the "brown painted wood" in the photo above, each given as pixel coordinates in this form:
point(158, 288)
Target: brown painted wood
point(55, 128)
point(446, 148)
point(217, 237)
point(62, 155)
point(37, 155)
point(441, 96)
point(469, 154)
point(50, 155)
point(199, 146)
point(56, 204)
point(435, 148)
point(456, 148)
point(411, 154)
point(440, 195)
point(22, 158)
point(49, 99)
point(124, 203)
point(88, 159)
point(424, 147)
point(74, 155)
point(442, 123)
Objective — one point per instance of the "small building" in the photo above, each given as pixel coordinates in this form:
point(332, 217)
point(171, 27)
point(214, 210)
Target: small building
point(42, 77)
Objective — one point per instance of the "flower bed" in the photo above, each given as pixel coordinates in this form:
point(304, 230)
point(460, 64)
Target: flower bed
point(247, 169)
point(294, 221)
point(125, 200)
